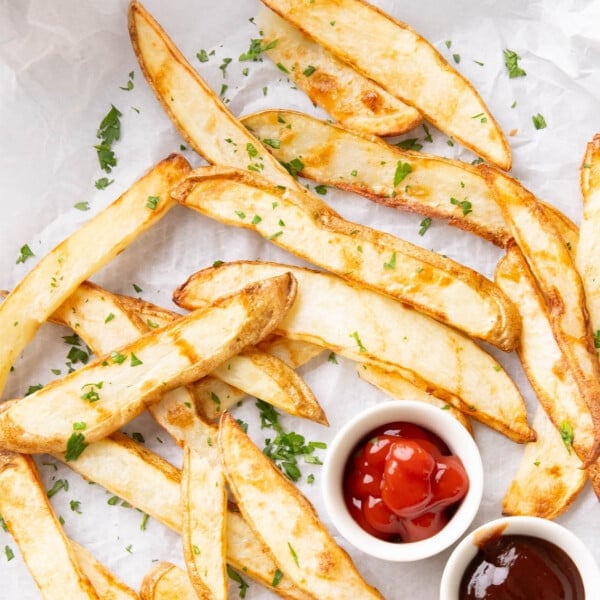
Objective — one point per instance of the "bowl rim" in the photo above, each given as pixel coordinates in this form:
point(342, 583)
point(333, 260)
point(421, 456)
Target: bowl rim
point(453, 433)
point(521, 525)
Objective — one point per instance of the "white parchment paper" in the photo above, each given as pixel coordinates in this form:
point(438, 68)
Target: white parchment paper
point(61, 66)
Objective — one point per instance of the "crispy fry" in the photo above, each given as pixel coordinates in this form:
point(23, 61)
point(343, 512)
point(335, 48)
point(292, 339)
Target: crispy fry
point(330, 152)
point(256, 373)
point(548, 479)
point(59, 273)
point(113, 389)
point(401, 61)
point(30, 519)
point(553, 268)
point(307, 227)
point(353, 100)
point(204, 508)
point(107, 586)
point(166, 581)
point(148, 482)
point(397, 387)
point(286, 521)
point(541, 357)
point(370, 328)
point(199, 115)
point(588, 247)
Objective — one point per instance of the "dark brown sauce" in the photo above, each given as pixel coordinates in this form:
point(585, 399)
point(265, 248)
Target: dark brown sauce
point(521, 567)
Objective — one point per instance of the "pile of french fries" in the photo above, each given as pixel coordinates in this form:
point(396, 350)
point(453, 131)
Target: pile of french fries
point(377, 300)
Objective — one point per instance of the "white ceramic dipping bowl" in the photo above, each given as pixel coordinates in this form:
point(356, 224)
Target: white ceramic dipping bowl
point(436, 420)
point(533, 526)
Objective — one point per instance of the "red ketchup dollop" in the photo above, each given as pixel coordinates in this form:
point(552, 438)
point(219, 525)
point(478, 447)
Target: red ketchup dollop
point(402, 483)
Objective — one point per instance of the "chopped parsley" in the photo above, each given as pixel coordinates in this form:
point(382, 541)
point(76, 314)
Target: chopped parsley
point(144, 522)
point(83, 206)
point(256, 220)
point(456, 58)
point(79, 426)
point(282, 68)
point(294, 167)
point(76, 444)
point(309, 71)
point(108, 132)
point(391, 264)
point(428, 136)
point(92, 394)
point(597, 339)
point(152, 202)
point(129, 85)
point(75, 506)
point(402, 170)
point(3, 523)
point(294, 555)
point(235, 576)
point(538, 121)
point(33, 388)
point(109, 318)
point(224, 65)
point(465, 205)
point(321, 190)
point(511, 60)
point(59, 484)
point(271, 142)
point(202, 56)
point(332, 358)
point(9, 553)
point(103, 183)
point(410, 144)
point(135, 361)
point(138, 437)
point(24, 254)
point(358, 341)
point(277, 578)
point(137, 288)
point(287, 446)
point(117, 357)
point(566, 434)
point(251, 149)
point(425, 225)
point(256, 49)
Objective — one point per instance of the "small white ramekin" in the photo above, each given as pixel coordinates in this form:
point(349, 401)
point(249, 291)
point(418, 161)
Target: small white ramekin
point(534, 526)
point(440, 422)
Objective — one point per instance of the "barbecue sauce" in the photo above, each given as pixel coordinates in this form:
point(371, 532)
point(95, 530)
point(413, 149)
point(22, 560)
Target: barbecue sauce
point(520, 567)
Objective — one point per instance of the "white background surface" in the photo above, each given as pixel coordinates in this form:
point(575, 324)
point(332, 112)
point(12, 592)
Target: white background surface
point(61, 65)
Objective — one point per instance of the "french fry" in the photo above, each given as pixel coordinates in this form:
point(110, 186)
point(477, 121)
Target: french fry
point(150, 483)
point(30, 519)
point(107, 586)
point(59, 273)
point(166, 581)
point(94, 401)
point(588, 247)
point(541, 357)
point(87, 310)
point(401, 389)
point(204, 508)
point(549, 478)
point(402, 62)
point(307, 227)
point(351, 99)
point(555, 273)
point(286, 521)
point(370, 328)
point(428, 188)
point(196, 111)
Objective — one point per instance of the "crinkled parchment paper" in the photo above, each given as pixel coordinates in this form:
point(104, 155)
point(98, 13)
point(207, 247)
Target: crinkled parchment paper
point(61, 66)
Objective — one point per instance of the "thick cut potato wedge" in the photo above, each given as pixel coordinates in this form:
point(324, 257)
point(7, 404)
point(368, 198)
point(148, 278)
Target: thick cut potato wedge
point(166, 581)
point(109, 392)
point(286, 521)
point(588, 249)
point(204, 508)
point(196, 111)
point(47, 552)
point(329, 154)
point(59, 273)
point(548, 479)
point(402, 62)
point(397, 387)
point(349, 97)
point(86, 312)
point(541, 357)
point(553, 268)
point(107, 586)
point(370, 328)
point(307, 227)
point(150, 483)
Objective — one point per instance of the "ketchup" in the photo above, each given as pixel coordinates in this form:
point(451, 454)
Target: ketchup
point(402, 484)
point(515, 567)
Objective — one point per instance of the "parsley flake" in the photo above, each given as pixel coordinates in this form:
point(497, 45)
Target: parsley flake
point(76, 444)
point(566, 434)
point(538, 121)
point(152, 202)
point(425, 225)
point(83, 206)
point(255, 49)
point(308, 71)
point(391, 264)
point(511, 61)
point(25, 253)
point(402, 170)
point(465, 205)
point(235, 576)
point(358, 341)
